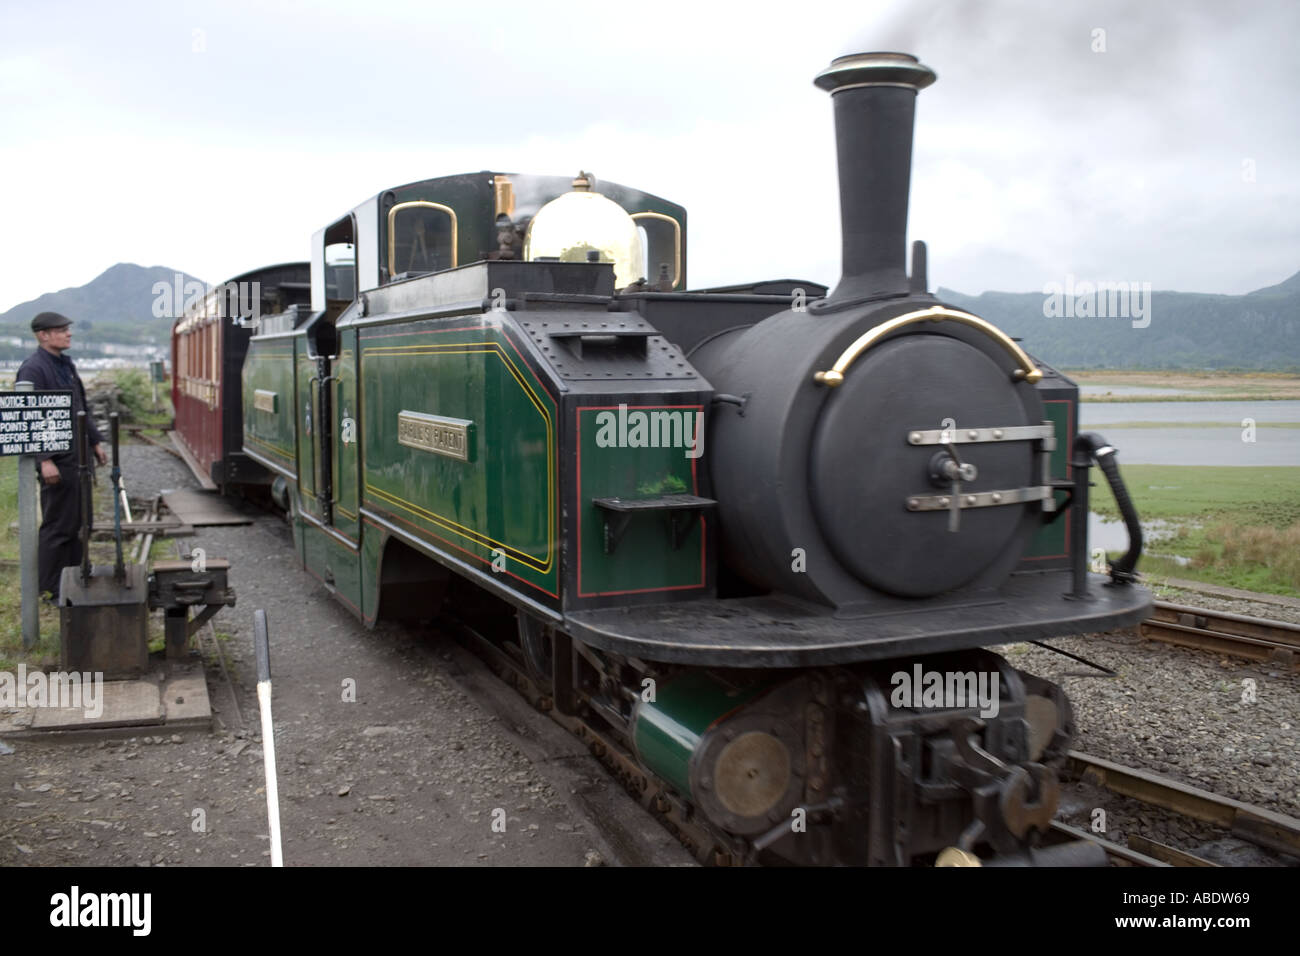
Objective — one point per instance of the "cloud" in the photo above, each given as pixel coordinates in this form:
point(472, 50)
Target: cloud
point(1035, 156)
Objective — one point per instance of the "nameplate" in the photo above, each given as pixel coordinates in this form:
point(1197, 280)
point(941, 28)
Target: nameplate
point(442, 436)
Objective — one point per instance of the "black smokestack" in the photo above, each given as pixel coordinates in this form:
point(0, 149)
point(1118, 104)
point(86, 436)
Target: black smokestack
point(875, 105)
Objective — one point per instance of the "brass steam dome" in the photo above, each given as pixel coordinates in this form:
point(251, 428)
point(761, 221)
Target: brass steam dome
point(580, 222)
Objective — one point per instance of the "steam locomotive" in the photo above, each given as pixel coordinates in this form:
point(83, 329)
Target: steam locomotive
point(761, 534)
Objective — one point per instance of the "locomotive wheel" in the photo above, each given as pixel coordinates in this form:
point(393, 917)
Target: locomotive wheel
point(536, 639)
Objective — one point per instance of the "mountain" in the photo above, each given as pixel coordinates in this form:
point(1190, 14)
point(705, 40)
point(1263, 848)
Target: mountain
point(115, 307)
point(1075, 329)
point(1289, 287)
point(1259, 331)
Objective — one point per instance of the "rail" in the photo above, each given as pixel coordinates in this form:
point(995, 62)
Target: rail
point(1265, 828)
point(1257, 639)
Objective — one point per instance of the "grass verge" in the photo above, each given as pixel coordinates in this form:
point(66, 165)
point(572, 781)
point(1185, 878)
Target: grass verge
point(1238, 527)
point(1193, 386)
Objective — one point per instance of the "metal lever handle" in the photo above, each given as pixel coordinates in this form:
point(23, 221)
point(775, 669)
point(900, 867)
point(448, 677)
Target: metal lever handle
point(954, 508)
point(958, 471)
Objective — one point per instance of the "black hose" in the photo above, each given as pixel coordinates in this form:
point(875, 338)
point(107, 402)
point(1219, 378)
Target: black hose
point(1122, 571)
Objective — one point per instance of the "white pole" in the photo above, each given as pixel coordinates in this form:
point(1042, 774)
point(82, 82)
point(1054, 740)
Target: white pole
point(268, 755)
point(262, 641)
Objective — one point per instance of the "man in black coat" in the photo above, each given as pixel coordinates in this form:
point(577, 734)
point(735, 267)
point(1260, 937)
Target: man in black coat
point(49, 368)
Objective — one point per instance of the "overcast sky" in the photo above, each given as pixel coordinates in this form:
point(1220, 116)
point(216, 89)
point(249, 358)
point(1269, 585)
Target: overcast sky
point(216, 137)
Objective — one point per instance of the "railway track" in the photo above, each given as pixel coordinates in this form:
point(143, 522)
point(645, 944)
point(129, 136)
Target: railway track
point(1275, 642)
point(1220, 632)
point(1256, 825)
point(138, 431)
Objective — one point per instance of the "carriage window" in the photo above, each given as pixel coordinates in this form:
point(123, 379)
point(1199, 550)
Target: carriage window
point(421, 238)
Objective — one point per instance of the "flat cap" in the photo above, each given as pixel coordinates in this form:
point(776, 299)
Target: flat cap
point(49, 320)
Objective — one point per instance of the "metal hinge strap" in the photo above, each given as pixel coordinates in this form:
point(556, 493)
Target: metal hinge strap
point(967, 436)
point(979, 499)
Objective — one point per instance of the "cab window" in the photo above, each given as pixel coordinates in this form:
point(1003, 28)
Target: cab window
point(421, 238)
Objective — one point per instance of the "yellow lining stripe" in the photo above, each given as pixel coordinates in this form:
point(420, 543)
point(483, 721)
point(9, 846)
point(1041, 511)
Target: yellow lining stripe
point(268, 446)
point(477, 537)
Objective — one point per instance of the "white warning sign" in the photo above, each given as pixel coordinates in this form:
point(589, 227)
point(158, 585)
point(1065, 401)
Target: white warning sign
point(35, 423)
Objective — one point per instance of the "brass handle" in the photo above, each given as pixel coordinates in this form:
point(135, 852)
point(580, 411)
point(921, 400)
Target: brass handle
point(835, 377)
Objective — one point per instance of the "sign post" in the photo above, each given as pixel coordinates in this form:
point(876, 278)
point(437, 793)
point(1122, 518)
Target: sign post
point(32, 423)
point(155, 376)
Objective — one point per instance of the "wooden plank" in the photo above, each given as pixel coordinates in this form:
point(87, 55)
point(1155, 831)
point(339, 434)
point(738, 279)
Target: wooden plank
point(184, 564)
point(126, 703)
point(140, 527)
point(189, 459)
point(199, 508)
point(129, 706)
point(185, 698)
point(158, 530)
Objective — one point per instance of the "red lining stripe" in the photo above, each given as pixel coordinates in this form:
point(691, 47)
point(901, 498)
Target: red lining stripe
point(695, 488)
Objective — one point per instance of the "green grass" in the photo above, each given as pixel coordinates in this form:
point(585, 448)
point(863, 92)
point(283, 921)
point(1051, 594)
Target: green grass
point(8, 507)
point(137, 397)
point(1239, 526)
point(46, 650)
point(1269, 495)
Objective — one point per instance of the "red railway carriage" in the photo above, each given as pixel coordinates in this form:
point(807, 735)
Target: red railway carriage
point(209, 342)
